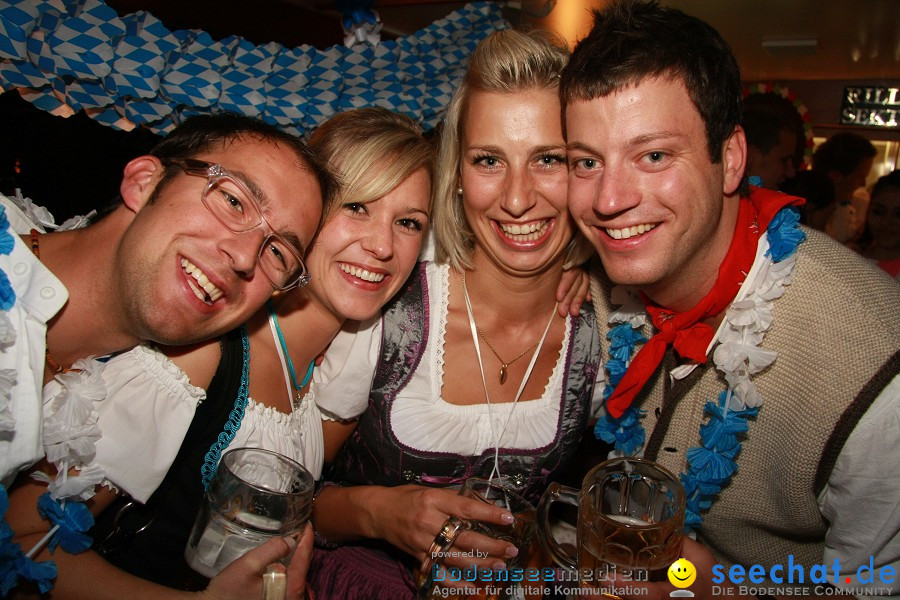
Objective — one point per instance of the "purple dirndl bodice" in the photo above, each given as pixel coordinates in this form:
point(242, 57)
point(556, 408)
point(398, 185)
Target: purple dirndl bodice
point(373, 455)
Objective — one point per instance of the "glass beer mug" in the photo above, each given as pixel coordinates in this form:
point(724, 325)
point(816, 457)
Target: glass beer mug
point(630, 522)
point(253, 496)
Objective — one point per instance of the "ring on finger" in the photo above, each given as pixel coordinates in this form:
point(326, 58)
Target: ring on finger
point(450, 530)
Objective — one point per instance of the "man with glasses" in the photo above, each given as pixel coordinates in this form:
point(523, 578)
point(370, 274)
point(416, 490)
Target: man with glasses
point(210, 224)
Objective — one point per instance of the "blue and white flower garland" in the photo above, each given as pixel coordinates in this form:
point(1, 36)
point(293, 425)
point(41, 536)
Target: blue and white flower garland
point(738, 356)
point(69, 438)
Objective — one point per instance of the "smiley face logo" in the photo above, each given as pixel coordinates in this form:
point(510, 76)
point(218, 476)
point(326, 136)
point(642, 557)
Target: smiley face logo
point(682, 573)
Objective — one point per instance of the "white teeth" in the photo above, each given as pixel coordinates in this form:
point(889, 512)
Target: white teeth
point(525, 233)
point(362, 273)
point(627, 232)
point(204, 289)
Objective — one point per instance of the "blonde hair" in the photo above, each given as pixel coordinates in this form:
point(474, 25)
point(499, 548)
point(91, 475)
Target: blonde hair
point(506, 61)
point(370, 151)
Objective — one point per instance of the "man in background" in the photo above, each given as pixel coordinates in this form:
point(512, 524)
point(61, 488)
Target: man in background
point(846, 159)
point(773, 129)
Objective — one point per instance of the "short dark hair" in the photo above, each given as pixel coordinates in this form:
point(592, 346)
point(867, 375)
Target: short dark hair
point(765, 116)
point(891, 180)
point(634, 40)
point(200, 133)
point(842, 152)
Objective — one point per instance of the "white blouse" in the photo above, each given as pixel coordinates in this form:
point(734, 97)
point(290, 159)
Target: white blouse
point(139, 422)
point(420, 418)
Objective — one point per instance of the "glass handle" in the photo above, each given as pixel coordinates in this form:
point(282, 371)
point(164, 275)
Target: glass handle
point(555, 493)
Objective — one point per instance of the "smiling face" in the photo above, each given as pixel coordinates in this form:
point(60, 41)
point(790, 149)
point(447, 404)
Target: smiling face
point(682, 573)
point(644, 191)
point(365, 252)
point(183, 276)
point(513, 177)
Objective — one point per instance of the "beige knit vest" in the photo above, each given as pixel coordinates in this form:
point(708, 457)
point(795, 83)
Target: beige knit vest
point(836, 330)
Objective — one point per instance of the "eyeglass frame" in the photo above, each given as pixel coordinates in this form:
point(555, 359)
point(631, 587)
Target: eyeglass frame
point(213, 173)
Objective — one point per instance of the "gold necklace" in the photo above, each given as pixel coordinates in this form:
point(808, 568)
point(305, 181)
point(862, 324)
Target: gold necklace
point(504, 365)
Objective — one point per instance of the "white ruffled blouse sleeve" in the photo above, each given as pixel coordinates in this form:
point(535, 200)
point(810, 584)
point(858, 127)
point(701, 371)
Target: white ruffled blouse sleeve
point(141, 419)
point(343, 380)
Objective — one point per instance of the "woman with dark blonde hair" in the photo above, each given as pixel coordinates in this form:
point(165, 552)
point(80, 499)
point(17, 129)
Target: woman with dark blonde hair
point(470, 372)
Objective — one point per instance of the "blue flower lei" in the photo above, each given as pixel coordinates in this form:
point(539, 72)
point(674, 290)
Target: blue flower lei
point(711, 465)
point(7, 243)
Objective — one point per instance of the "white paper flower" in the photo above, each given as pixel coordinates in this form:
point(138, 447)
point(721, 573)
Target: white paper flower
point(631, 308)
point(77, 222)
point(7, 331)
point(750, 312)
point(35, 212)
point(733, 355)
point(740, 335)
point(743, 392)
point(779, 275)
point(70, 417)
point(7, 381)
point(81, 487)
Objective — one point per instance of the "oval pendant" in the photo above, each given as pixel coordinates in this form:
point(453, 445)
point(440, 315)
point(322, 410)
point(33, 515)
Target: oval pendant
point(502, 374)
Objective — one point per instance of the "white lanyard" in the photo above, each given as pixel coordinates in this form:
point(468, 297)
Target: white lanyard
point(496, 470)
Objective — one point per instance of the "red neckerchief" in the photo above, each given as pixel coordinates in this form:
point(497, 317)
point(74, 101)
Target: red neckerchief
point(686, 331)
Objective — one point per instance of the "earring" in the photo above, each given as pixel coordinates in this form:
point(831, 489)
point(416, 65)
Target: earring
point(459, 192)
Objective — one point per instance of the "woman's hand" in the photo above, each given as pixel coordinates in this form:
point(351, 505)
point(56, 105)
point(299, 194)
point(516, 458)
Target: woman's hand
point(574, 289)
point(411, 516)
point(243, 578)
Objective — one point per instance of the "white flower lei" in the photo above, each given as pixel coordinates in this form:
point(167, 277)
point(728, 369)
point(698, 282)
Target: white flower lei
point(68, 437)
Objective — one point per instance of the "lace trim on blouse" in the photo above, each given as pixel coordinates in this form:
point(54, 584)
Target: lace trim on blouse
point(167, 373)
point(275, 417)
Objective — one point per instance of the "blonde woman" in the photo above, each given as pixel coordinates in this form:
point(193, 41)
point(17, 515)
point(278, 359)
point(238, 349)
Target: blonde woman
point(471, 371)
point(158, 445)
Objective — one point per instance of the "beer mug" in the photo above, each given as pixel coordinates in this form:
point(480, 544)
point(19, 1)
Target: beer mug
point(435, 584)
point(253, 496)
point(630, 522)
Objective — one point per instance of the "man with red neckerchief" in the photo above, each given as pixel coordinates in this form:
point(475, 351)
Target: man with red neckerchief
point(769, 378)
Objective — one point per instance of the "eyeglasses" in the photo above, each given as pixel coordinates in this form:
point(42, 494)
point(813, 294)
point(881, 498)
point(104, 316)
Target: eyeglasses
point(238, 209)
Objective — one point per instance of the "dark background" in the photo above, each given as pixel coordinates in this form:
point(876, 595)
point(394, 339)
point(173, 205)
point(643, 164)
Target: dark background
point(68, 165)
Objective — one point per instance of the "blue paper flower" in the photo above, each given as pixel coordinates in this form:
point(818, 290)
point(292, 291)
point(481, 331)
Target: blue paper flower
point(7, 294)
point(622, 341)
point(7, 241)
point(626, 433)
point(14, 563)
point(785, 233)
point(616, 370)
point(721, 431)
point(692, 519)
point(73, 519)
point(42, 573)
point(693, 484)
point(6, 532)
point(710, 465)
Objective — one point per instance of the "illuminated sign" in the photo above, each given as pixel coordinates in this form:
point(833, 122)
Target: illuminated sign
point(871, 106)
